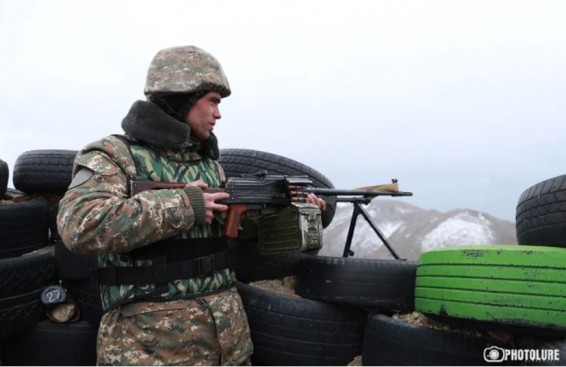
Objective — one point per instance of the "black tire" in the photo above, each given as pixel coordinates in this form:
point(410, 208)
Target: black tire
point(250, 265)
point(559, 345)
point(21, 281)
point(44, 171)
point(53, 344)
point(296, 331)
point(52, 203)
point(239, 161)
point(22, 274)
point(19, 313)
point(391, 342)
point(23, 227)
point(4, 174)
point(541, 214)
point(387, 285)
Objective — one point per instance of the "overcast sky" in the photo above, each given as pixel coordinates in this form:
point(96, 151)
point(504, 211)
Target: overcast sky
point(462, 101)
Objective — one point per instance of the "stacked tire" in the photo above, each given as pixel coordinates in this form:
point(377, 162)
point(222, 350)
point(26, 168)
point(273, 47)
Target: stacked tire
point(296, 331)
point(4, 175)
point(22, 279)
point(343, 308)
point(324, 323)
point(495, 296)
point(27, 264)
point(482, 300)
point(541, 214)
point(399, 341)
point(519, 288)
point(30, 261)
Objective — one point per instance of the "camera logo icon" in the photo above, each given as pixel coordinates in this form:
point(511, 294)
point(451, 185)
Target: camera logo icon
point(493, 354)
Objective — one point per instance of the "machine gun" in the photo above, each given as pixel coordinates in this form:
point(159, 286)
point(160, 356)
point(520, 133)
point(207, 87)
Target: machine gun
point(261, 190)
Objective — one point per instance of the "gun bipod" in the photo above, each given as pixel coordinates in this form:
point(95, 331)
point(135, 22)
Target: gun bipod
point(358, 209)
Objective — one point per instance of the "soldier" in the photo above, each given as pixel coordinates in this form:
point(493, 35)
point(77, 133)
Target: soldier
point(166, 282)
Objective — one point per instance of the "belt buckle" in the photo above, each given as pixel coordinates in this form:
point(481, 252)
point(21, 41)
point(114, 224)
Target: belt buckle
point(205, 266)
point(160, 272)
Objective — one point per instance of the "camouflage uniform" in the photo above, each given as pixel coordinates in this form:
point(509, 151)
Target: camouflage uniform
point(198, 320)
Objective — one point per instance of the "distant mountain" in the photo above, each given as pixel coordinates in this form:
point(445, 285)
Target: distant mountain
point(411, 230)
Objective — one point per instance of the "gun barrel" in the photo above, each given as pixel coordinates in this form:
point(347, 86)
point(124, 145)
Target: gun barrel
point(367, 193)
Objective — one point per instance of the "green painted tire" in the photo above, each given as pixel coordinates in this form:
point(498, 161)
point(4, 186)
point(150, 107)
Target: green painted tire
point(506, 285)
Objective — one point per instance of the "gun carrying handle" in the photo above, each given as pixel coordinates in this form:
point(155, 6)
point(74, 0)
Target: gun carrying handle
point(233, 219)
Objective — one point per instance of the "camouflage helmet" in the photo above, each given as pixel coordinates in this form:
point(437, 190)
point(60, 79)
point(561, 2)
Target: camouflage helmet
point(185, 70)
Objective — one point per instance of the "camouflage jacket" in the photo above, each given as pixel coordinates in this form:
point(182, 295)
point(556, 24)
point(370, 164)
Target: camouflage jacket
point(96, 216)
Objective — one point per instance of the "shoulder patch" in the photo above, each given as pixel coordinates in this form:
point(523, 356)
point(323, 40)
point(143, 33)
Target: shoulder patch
point(81, 177)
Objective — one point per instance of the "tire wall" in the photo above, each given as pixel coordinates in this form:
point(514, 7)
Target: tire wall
point(29, 263)
point(4, 175)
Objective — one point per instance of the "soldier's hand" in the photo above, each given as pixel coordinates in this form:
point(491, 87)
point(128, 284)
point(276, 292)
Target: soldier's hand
point(313, 199)
point(200, 184)
point(210, 200)
point(211, 205)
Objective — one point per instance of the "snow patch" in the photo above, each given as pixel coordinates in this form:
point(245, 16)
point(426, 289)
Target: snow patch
point(463, 229)
point(388, 228)
point(404, 210)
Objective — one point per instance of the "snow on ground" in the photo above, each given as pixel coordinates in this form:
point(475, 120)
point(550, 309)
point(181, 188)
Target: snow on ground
point(465, 228)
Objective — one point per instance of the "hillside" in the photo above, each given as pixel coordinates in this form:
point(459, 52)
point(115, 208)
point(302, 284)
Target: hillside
point(412, 230)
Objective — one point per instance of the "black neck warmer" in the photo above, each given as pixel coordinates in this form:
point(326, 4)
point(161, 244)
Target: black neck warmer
point(149, 123)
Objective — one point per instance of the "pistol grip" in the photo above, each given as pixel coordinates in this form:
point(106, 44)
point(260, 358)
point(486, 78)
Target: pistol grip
point(233, 219)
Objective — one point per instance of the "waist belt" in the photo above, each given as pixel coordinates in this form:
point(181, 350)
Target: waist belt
point(175, 250)
point(166, 268)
